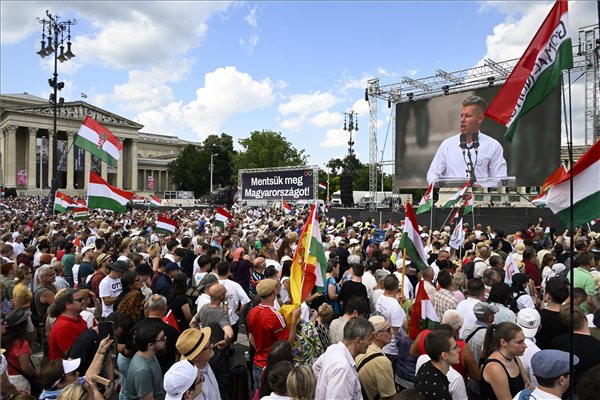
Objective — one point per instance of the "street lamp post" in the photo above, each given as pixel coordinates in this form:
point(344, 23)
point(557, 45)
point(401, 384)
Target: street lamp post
point(56, 31)
point(212, 167)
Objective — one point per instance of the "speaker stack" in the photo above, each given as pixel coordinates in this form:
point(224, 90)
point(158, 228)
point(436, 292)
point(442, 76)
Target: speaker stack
point(346, 192)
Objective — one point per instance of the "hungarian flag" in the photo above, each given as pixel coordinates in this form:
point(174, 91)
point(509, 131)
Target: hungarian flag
point(469, 204)
point(102, 195)
point(457, 196)
point(165, 225)
point(458, 236)
point(454, 215)
point(423, 315)
point(221, 217)
point(426, 201)
point(537, 73)
point(99, 141)
point(586, 190)
point(542, 199)
point(62, 202)
point(309, 264)
point(154, 201)
point(287, 209)
point(411, 239)
point(80, 213)
point(322, 186)
point(547, 232)
point(594, 221)
point(510, 268)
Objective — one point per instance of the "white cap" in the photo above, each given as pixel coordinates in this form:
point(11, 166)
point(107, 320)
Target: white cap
point(179, 379)
point(529, 320)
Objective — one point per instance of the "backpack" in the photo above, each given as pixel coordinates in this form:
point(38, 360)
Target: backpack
point(512, 301)
point(469, 269)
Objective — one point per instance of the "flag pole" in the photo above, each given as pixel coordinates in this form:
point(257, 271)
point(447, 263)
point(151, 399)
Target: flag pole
point(431, 215)
point(571, 228)
point(403, 270)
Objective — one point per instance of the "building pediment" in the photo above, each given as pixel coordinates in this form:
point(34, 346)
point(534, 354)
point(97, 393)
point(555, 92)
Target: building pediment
point(77, 111)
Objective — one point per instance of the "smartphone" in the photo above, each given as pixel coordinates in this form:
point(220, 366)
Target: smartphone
point(106, 329)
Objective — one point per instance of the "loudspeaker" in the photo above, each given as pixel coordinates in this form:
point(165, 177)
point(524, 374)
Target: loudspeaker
point(346, 192)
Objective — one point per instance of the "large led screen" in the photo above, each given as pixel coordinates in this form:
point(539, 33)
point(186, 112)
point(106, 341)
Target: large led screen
point(422, 126)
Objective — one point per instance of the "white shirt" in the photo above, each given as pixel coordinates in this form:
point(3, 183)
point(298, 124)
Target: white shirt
point(210, 387)
point(369, 281)
point(449, 162)
point(465, 308)
point(274, 396)
point(481, 266)
point(531, 349)
point(109, 287)
point(538, 394)
point(408, 287)
point(390, 309)
point(235, 296)
point(336, 375)
point(376, 295)
point(457, 385)
point(202, 300)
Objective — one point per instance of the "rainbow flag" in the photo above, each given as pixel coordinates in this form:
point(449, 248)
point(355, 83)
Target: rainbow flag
point(309, 264)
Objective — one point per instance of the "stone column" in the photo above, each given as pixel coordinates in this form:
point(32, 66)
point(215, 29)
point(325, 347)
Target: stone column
point(10, 159)
point(104, 170)
point(70, 167)
point(31, 167)
point(134, 164)
point(50, 158)
point(86, 169)
point(158, 182)
point(144, 180)
point(120, 167)
point(167, 183)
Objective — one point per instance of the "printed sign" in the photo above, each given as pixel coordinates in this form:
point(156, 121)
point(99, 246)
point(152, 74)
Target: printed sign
point(295, 184)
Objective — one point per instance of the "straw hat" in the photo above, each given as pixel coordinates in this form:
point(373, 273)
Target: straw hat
point(192, 341)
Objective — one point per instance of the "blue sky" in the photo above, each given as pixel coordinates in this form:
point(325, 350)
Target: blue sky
point(195, 68)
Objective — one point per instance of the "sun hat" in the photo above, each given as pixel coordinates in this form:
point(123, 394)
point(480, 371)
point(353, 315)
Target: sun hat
point(192, 341)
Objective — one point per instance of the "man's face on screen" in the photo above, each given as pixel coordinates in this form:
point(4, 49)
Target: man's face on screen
point(470, 120)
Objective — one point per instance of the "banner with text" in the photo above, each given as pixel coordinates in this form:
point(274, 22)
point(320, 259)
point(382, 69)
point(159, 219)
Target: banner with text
point(295, 184)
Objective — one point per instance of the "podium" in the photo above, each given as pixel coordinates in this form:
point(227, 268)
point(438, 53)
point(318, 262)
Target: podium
point(490, 182)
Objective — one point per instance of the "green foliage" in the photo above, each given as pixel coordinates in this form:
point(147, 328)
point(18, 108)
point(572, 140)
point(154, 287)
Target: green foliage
point(267, 149)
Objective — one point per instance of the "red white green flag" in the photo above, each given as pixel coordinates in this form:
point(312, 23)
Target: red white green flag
point(423, 315)
point(455, 215)
point(80, 213)
point(99, 141)
point(586, 190)
point(542, 199)
point(309, 264)
point(538, 71)
point(322, 186)
point(62, 202)
point(102, 195)
point(154, 201)
point(165, 225)
point(458, 236)
point(457, 196)
point(469, 204)
point(221, 217)
point(411, 239)
point(426, 201)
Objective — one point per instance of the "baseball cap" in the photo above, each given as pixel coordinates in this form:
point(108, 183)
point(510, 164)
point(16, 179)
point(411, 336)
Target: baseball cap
point(529, 320)
point(483, 310)
point(520, 278)
point(551, 363)
point(266, 287)
point(179, 379)
point(172, 266)
point(87, 248)
point(206, 280)
point(379, 323)
point(354, 241)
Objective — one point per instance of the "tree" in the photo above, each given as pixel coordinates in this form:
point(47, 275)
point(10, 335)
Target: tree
point(223, 154)
point(184, 170)
point(266, 149)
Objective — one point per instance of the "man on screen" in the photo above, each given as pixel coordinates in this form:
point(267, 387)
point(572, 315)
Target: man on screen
point(457, 155)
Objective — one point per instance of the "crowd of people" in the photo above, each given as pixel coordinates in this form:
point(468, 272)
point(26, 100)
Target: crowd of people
point(117, 310)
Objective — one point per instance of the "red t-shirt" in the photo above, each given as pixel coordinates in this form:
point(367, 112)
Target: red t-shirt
point(63, 334)
point(18, 348)
point(267, 326)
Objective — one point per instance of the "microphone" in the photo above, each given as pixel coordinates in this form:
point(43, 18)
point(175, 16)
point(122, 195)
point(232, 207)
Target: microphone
point(476, 140)
point(463, 141)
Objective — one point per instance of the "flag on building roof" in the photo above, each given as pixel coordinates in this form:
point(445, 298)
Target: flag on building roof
point(83, 95)
point(80, 213)
point(426, 201)
point(586, 190)
point(154, 201)
point(411, 239)
point(458, 236)
point(62, 202)
point(309, 264)
point(469, 204)
point(322, 186)
point(165, 225)
point(221, 217)
point(538, 71)
point(287, 209)
point(457, 196)
point(102, 195)
point(423, 315)
point(99, 141)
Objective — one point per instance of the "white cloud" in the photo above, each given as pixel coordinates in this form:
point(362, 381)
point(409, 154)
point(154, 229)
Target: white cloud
point(226, 92)
point(336, 138)
point(304, 104)
point(251, 18)
point(251, 42)
point(17, 20)
point(326, 118)
point(292, 124)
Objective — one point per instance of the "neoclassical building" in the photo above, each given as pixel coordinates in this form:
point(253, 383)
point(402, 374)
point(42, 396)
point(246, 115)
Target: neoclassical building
point(27, 130)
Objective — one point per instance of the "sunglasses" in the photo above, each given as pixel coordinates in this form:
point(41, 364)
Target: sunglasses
point(81, 299)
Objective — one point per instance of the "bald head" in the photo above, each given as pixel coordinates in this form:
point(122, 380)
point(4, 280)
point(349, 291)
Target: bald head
point(259, 263)
point(216, 291)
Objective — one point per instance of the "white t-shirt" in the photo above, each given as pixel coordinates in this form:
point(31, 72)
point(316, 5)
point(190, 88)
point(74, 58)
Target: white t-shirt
point(278, 266)
point(389, 308)
point(409, 292)
point(531, 349)
point(235, 296)
point(109, 287)
point(369, 281)
point(465, 308)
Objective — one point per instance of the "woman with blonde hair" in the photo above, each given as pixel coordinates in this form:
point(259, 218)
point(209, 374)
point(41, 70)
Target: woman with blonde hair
point(22, 296)
point(301, 383)
point(154, 253)
point(459, 283)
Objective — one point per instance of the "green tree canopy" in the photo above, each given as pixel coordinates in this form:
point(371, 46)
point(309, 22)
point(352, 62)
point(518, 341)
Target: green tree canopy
point(267, 149)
